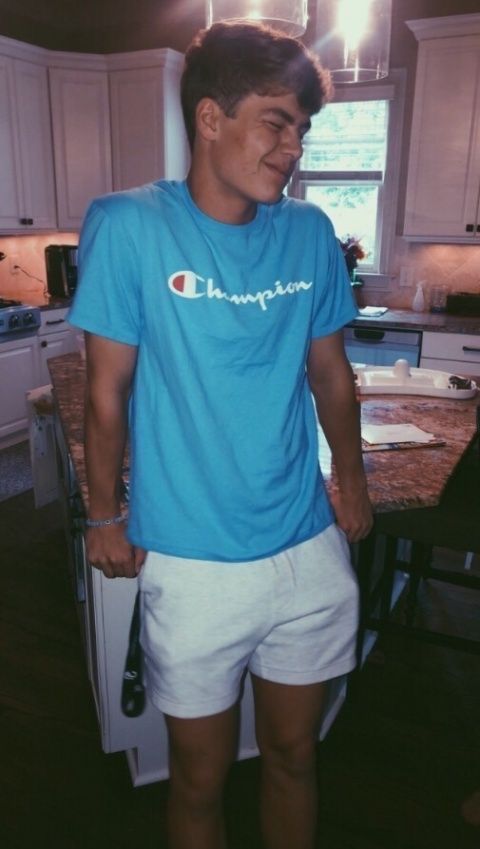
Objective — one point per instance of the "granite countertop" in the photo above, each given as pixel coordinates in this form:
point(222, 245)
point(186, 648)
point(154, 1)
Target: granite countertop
point(410, 320)
point(397, 479)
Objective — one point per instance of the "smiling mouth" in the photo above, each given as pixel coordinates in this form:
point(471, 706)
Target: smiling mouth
point(285, 175)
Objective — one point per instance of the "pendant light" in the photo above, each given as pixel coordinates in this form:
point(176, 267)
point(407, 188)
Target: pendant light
point(290, 16)
point(353, 38)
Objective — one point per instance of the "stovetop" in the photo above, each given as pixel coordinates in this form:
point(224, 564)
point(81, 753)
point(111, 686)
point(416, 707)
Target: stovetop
point(7, 302)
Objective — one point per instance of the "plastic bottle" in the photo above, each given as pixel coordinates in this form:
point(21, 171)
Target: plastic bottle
point(418, 303)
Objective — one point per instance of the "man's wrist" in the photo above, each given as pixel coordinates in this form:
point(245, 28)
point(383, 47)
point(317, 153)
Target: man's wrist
point(104, 523)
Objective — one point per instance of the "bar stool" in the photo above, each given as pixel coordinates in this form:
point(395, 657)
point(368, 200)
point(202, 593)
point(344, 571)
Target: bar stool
point(454, 524)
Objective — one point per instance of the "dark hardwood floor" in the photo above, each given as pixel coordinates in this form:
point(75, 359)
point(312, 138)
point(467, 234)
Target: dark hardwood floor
point(393, 772)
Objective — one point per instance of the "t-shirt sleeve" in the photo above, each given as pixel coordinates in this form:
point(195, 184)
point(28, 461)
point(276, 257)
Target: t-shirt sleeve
point(334, 303)
point(106, 300)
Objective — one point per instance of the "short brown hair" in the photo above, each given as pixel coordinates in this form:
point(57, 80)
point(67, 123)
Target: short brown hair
point(229, 61)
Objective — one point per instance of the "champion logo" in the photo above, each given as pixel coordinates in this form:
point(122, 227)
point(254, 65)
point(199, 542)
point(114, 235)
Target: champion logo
point(187, 284)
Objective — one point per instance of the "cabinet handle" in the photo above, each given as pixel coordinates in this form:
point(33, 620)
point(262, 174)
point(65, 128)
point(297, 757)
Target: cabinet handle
point(56, 321)
point(43, 344)
point(472, 228)
point(472, 350)
point(26, 221)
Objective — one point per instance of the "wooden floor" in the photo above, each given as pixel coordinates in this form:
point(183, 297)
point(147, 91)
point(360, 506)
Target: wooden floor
point(393, 771)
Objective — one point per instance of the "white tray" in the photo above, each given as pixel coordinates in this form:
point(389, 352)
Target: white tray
point(403, 379)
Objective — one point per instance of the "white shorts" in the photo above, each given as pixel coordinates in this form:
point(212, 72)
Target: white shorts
point(291, 618)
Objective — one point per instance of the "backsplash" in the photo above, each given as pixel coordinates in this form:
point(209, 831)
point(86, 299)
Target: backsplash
point(455, 266)
point(30, 283)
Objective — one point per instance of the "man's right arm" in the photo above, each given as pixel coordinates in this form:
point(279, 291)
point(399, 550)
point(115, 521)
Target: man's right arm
point(110, 369)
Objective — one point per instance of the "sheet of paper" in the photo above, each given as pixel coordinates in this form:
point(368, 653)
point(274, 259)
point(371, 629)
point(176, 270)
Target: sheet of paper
point(372, 311)
point(380, 434)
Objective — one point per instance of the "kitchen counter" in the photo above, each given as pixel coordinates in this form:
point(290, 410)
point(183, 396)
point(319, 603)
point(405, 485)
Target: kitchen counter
point(410, 320)
point(56, 304)
point(397, 479)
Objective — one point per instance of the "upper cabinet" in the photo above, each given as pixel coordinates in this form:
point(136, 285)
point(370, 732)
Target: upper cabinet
point(443, 188)
point(81, 134)
point(27, 193)
point(116, 123)
point(148, 137)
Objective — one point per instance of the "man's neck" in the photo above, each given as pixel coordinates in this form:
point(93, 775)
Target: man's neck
point(228, 210)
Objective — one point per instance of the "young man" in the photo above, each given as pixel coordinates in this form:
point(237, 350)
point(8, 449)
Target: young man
point(214, 310)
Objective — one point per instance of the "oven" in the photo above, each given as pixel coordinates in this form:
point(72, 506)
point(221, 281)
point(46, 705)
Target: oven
point(17, 320)
point(373, 345)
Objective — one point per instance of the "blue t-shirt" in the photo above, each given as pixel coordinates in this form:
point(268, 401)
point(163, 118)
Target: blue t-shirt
point(223, 435)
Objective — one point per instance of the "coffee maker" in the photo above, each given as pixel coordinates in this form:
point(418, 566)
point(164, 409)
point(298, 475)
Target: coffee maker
point(61, 263)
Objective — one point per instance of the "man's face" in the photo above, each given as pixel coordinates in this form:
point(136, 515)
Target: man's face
point(254, 153)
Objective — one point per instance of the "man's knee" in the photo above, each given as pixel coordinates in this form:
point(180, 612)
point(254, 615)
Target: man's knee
point(293, 757)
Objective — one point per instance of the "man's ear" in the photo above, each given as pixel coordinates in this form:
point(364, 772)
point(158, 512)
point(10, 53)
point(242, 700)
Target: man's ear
point(207, 116)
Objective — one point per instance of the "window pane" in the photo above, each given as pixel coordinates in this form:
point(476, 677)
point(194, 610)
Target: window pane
point(353, 211)
point(347, 137)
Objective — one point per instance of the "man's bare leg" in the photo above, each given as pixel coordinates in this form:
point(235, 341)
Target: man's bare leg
point(288, 721)
point(201, 753)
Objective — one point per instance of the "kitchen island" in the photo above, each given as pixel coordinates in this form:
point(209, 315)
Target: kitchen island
point(397, 480)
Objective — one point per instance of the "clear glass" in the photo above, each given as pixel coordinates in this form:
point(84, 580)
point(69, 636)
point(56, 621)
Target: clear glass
point(347, 137)
point(290, 16)
point(353, 38)
point(352, 209)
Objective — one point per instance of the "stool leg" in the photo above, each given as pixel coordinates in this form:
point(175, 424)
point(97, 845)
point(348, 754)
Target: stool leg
point(420, 561)
point(389, 565)
point(366, 553)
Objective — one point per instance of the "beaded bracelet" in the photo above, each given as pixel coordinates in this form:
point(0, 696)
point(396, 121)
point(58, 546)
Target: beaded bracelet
point(103, 523)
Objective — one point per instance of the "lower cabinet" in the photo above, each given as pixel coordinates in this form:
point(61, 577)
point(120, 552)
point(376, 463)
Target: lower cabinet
point(18, 361)
point(23, 366)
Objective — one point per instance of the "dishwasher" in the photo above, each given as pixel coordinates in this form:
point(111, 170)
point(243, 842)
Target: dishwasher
point(376, 346)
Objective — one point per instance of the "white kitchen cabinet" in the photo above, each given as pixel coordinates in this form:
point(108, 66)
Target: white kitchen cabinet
point(27, 187)
point(23, 366)
point(17, 376)
point(443, 186)
point(55, 337)
point(81, 133)
point(458, 353)
point(148, 136)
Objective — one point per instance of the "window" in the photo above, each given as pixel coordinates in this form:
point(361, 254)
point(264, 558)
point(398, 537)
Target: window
point(350, 166)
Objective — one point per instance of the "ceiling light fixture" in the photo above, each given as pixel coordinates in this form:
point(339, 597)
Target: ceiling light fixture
point(353, 39)
point(289, 16)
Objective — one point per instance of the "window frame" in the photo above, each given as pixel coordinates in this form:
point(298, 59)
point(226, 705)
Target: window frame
point(392, 90)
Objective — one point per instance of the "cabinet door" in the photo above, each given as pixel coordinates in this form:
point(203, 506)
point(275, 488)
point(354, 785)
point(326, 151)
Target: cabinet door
point(53, 345)
point(35, 144)
point(444, 168)
point(17, 377)
point(148, 136)
point(11, 189)
point(81, 131)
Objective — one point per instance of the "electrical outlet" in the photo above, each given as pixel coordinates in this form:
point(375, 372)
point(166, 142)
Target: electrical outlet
point(13, 263)
point(405, 279)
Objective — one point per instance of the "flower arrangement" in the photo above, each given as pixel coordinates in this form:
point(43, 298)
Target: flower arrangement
point(352, 251)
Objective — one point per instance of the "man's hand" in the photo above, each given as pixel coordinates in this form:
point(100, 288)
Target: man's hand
point(353, 512)
point(109, 550)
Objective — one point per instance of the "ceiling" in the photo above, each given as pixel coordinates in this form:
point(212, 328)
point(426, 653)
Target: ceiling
point(106, 26)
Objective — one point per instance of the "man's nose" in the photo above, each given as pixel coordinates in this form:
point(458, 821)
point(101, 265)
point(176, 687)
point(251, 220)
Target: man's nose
point(292, 142)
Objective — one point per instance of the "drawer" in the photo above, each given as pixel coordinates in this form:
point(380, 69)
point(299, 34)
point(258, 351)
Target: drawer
point(53, 320)
point(451, 346)
point(459, 367)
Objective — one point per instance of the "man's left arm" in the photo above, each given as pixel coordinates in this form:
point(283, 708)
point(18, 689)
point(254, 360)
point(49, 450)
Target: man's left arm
point(332, 385)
